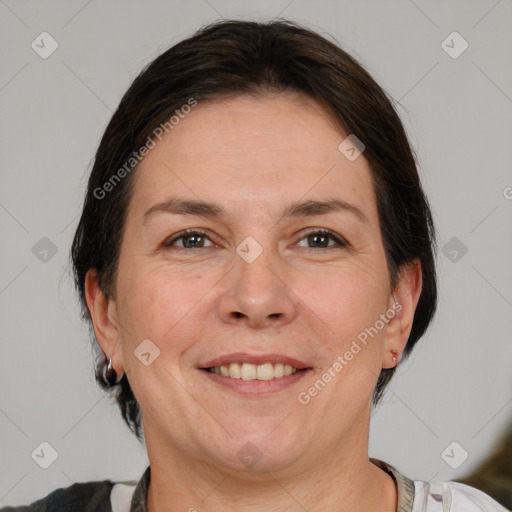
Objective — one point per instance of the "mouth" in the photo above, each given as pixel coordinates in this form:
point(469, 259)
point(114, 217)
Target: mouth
point(248, 371)
point(255, 374)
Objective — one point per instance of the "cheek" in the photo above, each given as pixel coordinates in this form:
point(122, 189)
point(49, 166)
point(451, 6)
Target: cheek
point(344, 302)
point(157, 301)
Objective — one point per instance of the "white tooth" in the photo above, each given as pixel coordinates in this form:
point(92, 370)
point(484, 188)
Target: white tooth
point(278, 370)
point(234, 371)
point(248, 371)
point(265, 371)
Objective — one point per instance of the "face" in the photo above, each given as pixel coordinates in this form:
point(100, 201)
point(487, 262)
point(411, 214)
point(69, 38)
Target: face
point(272, 271)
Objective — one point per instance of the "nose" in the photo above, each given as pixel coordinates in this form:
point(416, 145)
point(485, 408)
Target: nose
point(257, 294)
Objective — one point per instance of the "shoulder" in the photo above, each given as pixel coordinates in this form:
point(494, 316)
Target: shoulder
point(90, 496)
point(452, 496)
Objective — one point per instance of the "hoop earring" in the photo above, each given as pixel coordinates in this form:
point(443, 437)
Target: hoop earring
point(109, 374)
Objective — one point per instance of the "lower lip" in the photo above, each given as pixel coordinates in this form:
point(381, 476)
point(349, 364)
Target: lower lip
point(257, 387)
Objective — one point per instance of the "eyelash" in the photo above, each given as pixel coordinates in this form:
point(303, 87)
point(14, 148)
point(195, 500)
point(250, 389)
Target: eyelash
point(340, 242)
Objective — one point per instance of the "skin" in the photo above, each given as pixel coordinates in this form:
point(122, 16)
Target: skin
point(253, 156)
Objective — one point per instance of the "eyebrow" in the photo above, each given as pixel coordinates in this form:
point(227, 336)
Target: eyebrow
point(179, 206)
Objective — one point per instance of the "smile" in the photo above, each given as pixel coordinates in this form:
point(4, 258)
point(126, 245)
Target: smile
point(248, 371)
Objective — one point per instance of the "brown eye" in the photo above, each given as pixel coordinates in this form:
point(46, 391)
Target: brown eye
point(320, 239)
point(192, 239)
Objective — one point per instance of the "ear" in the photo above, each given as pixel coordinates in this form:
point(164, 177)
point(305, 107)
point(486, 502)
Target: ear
point(104, 318)
point(403, 301)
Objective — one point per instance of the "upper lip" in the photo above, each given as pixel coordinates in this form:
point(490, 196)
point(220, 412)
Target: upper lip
point(241, 357)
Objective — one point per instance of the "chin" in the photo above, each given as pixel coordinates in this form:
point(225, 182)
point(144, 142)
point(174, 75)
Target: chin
point(259, 453)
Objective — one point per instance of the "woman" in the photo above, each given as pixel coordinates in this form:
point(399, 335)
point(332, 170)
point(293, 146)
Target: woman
point(255, 256)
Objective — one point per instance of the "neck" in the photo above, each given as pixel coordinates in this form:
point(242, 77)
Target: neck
point(348, 481)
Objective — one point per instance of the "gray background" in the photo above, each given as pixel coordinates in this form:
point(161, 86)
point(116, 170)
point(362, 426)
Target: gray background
point(458, 384)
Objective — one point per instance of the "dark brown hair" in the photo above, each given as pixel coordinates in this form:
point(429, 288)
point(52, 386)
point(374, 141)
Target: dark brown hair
point(242, 57)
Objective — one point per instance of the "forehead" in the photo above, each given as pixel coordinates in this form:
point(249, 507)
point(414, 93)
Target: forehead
point(250, 154)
